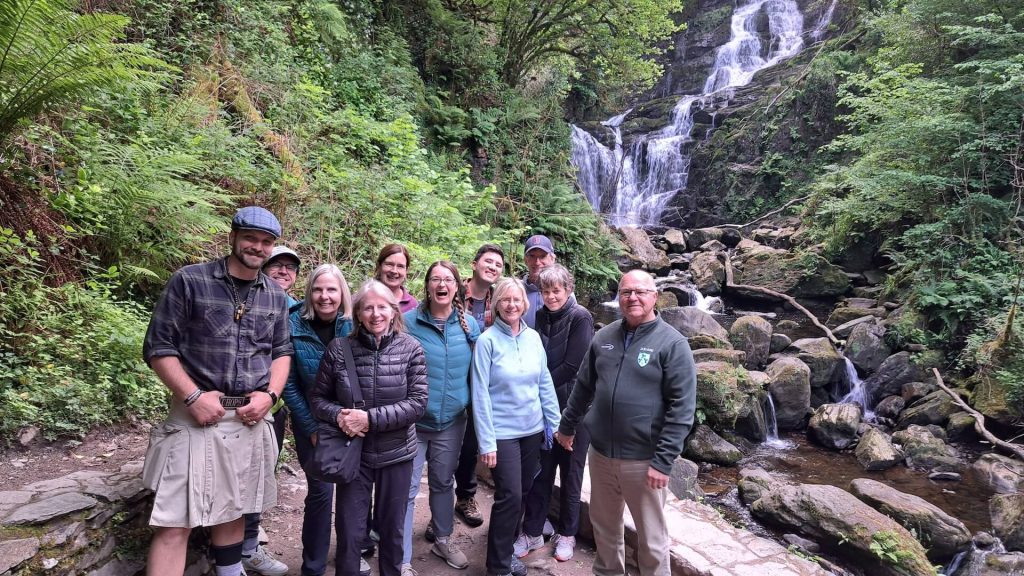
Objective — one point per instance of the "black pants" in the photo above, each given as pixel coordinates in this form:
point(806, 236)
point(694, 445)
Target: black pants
point(570, 467)
point(389, 504)
point(465, 474)
point(316, 514)
point(518, 464)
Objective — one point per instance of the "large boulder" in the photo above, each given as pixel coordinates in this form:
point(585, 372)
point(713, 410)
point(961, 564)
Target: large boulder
point(708, 273)
point(826, 363)
point(753, 335)
point(1007, 513)
point(790, 387)
point(703, 445)
point(691, 322)
point(734, 357)
point(935, 408)
point(844, 314)
point(924, 450)
point(754, 482)
point(890, 407)
point(875, 451)
point(835, 425)
point(892, 374)
point(1000, 473)
point(991, 400)
point(779, 343)
point(751, 422)
point(960, 428)
point(944, 535)
point(640, 247)
point(701, 236)
point(676, 241)
point(843, 330)
point(831, 515)
point(682, 480)
point(797, 274)
point(866, 346)
point(721, 392)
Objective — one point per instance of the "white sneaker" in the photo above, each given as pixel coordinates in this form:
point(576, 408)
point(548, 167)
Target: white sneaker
point(526, 544)
point(564, 547)
point(261, 562)
point(408, 570)
point(548, 529)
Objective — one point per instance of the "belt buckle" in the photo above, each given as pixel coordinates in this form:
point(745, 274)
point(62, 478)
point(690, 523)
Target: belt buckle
point(232, 402)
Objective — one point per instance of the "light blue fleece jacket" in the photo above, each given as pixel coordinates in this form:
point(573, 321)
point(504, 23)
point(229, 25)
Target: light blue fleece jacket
point(513, 395)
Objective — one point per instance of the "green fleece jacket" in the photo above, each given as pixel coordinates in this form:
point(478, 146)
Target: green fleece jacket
point(638, 401)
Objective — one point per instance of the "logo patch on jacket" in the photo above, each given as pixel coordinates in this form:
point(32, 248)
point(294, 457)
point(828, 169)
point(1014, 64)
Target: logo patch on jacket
point(643, 357)
point(607, 346)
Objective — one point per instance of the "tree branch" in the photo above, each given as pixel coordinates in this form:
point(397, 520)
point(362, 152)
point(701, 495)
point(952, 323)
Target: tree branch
point(979, 419)
point(772, 213)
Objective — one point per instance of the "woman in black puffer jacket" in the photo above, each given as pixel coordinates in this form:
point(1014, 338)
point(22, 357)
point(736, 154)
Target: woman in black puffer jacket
point(392, 375)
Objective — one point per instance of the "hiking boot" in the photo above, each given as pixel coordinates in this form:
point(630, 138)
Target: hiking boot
point(564, 547)
point(408, 570)
point(466, 507)
point(261, 562)
point(526, 544)
point(428, 535)
point(518, 568)
point(364, 567)
point(548, 530)
point(446, 549)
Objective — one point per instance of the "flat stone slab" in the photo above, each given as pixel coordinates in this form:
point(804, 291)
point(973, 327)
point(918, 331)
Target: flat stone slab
point(14, 552)
point(50, 508)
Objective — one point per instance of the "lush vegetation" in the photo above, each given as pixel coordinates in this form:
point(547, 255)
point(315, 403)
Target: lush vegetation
point(129, 132)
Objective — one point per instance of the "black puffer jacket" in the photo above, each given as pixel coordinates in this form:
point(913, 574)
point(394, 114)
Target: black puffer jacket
point(566, 335)
point(393, 381)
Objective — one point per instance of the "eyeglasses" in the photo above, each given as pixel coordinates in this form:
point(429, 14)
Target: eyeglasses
point(437, 280)
point(641, 292)
point(286, 265)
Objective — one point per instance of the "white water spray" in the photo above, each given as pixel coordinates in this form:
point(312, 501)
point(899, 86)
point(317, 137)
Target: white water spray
point(858, 393)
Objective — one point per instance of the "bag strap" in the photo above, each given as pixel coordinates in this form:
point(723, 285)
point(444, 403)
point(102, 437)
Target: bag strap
point(353, 377)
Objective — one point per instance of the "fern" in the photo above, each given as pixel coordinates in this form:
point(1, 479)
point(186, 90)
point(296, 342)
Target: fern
point(51, 56)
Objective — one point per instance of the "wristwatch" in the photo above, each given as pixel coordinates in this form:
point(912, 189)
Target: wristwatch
point(273, 397)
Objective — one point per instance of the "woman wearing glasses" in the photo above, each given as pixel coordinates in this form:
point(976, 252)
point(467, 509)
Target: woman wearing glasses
point(514, 404)
point(447, 335)
point(392, 269)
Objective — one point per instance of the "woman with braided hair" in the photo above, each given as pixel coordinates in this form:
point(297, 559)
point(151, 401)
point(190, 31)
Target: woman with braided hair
point(447, 335)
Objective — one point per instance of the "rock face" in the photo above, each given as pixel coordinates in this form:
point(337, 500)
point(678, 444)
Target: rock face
point(1007, 512)
point(830, 514)
point(935, 408)
point(691, 322)
point(1003, 475)
point(835, 425)
point(639, 245)
point(753, 335)
point(708, 273)
point(875, 451)
point(924, 450)
point(790, 388)
point(866, 346)
point(720, 392)
point(944, 535)
point(704, 445)
point(797, 274)
point(821, 357)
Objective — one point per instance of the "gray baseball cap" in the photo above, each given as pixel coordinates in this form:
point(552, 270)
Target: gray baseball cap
point(282, 251)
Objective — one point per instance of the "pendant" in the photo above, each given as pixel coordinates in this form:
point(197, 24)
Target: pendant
point(239, 310)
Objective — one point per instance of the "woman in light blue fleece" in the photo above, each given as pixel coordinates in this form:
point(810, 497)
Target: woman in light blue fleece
point(514, 402)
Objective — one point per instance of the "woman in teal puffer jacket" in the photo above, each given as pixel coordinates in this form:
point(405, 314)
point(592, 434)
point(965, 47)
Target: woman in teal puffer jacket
point(447, 335)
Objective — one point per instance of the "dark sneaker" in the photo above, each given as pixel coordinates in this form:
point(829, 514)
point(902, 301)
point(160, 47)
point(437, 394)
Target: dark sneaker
point(470, 513)
point(518, 568)
point(428, 535)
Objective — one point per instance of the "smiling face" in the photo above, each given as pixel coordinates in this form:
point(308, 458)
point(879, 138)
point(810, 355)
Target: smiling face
point(637, 296)
point(442, 287)
point(554, 297)
point(283, 271)
point(251, 248)
point(488, 267)
point(326, 296)
point(375, 314)
point(393, 271)
point(536, 259)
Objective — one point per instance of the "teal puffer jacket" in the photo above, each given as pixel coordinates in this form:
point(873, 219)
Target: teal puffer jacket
point(309, 350)
point(449, 355)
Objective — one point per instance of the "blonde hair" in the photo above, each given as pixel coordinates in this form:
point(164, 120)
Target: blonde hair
point(377, 288)
point(504, 286)
point(307, 312)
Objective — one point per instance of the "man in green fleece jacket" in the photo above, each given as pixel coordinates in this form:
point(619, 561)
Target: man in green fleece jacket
point(637, 388)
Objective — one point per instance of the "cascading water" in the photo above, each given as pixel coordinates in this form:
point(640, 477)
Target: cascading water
point(858, 393)
point(633, 187)
point(826, 18)
point(773, 439)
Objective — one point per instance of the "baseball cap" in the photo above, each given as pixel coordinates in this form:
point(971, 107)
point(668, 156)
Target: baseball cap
point(282, 251)
point(539, 241)
point(256, 218)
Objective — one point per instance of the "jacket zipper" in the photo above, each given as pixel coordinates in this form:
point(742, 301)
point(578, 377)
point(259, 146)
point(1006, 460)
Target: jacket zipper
point(615, 392)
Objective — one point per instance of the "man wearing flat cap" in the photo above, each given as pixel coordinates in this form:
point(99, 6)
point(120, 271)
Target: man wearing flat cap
point(538, 252)
point(219, 340)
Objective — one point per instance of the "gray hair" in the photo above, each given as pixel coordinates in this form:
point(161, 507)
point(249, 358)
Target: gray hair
point(504, 286)
point(377, 288)
point(345, 310)
point(555, 275)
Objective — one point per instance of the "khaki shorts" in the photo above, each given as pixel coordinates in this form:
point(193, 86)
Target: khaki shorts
point(205, 476)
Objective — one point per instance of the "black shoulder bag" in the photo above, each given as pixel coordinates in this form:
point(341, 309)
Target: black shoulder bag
point(337, 456)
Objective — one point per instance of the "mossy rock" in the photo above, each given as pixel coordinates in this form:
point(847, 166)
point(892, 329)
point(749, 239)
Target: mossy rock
point(720, 393)
point(797, 274)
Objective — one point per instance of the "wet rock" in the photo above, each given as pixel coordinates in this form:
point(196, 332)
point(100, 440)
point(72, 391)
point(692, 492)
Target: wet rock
point(924, 450)
point(826, 364)
point(779, 343)
point(790, 388)
point(708, 273)
point(945, 476)
point(835, 425)
point(639, 245)
point(829, 514)
point(843, 315)
point(875, 451)
point(1002, 474)
point(960, 428)
point(753, 335)
point(1007, 513)
point(797, 274)
point(682, 481)
point(991, 563)
point(690, 322)
point(751, 423)
point(935, 408)
point(913, 391)
point(944, 535)
point(718, 390)
point(866, 346)
point(890, 407)
point(802, 543)
point(733, 357)
point(704, 445)
point(892, 374)
point(753, 482)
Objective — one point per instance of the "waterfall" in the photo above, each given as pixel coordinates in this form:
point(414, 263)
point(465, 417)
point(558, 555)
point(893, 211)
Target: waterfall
point(823, 22)
point(858, 393)
point(704, 303)
point(634, 186)
point(773, 439)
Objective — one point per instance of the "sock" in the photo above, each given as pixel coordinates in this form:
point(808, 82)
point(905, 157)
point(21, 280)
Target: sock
point(441, 539)
point(228, 559)
point(249, 546)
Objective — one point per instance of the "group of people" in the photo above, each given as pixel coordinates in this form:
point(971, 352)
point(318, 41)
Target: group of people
point(502, 371)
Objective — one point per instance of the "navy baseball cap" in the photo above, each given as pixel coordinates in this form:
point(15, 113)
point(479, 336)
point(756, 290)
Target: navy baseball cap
point(539, 241)
point(256, 218)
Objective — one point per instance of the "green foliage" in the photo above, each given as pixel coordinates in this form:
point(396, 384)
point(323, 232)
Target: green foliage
point(51, 56)
point(885, 545)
